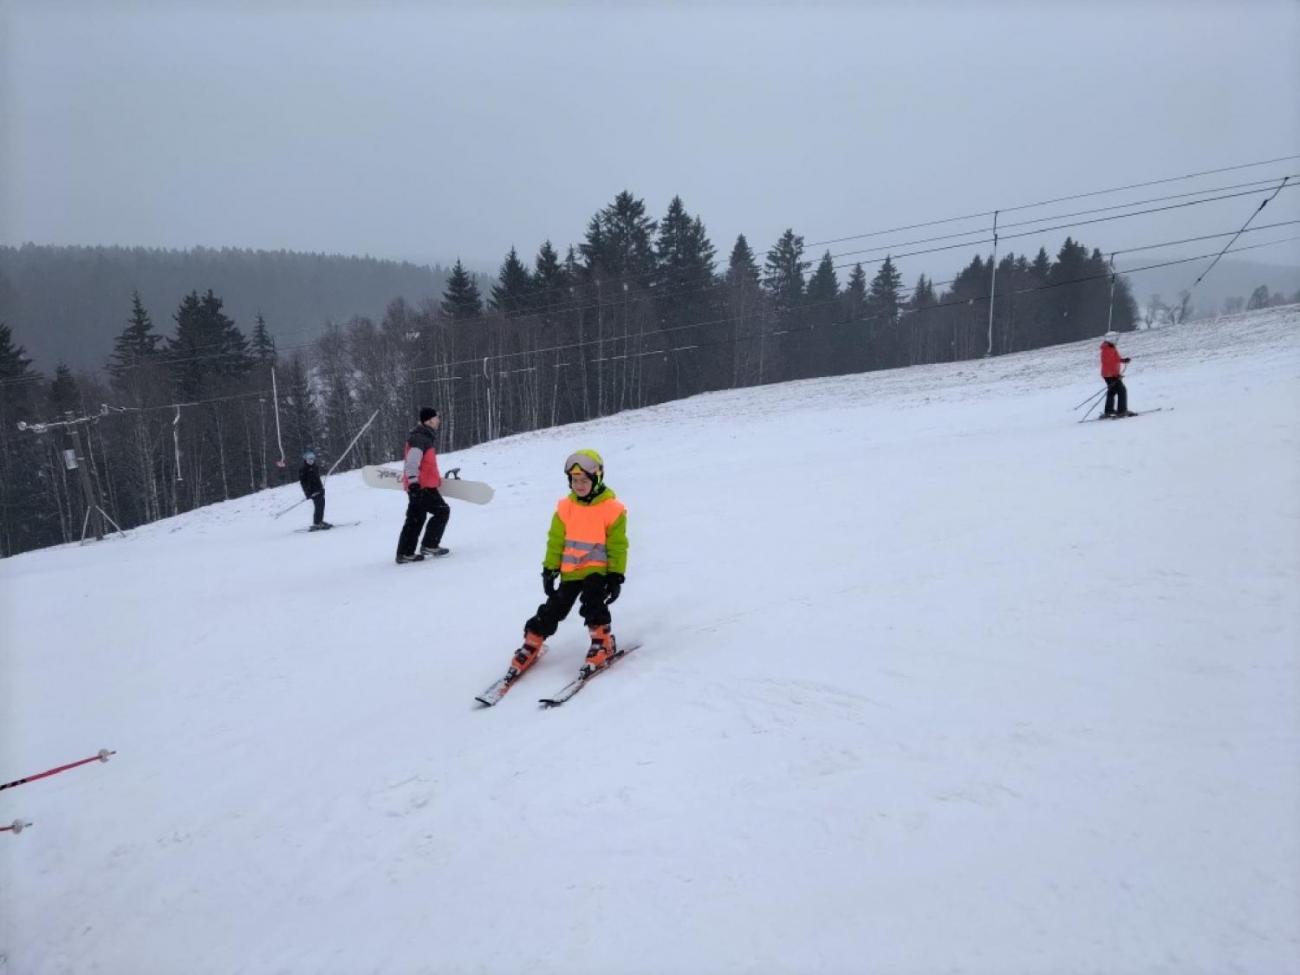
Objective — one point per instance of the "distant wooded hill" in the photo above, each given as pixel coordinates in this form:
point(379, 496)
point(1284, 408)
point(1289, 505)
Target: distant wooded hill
point(1228, 280)
point(66, 304)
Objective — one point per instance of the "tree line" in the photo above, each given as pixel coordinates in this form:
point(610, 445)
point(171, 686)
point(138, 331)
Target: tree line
point(65, 301)
point(641, 311)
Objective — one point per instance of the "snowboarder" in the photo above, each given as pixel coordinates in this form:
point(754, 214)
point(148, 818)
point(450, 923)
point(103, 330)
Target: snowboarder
point(1112, 370)
point(586, 551)
point(314, 488)
point(420, 478)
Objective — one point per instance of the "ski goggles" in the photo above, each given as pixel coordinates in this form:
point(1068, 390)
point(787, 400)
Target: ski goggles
point(581, 464)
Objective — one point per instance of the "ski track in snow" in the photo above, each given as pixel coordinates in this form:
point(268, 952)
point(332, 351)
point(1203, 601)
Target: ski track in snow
point(932, 679)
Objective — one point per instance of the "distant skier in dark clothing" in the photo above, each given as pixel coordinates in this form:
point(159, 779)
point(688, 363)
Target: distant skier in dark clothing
point(314, 488)
point(421, 479)
point(1112, 370)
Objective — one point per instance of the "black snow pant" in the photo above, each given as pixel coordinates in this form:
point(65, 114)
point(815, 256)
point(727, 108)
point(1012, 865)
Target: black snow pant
point(593, 609)
point(1115, 388)
point(318, 500)
point(421, 504)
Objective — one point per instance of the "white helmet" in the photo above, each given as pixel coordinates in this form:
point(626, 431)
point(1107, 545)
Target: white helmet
point(1111, 337)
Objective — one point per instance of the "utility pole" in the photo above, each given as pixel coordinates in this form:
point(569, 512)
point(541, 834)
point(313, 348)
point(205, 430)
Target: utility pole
point(75, 460)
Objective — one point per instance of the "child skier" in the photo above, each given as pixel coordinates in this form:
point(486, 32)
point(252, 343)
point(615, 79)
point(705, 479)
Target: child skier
point(1112, 371)
point(312, 487)
point(586, 550)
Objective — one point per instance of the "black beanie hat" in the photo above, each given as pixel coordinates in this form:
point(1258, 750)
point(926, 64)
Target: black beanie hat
point(427, 413)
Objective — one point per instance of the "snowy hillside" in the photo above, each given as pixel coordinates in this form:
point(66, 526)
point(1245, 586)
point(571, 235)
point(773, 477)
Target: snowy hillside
point(934, 679)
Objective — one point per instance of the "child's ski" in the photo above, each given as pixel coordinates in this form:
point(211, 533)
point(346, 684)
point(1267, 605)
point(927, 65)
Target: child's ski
point(579, 682)
point(498, 690)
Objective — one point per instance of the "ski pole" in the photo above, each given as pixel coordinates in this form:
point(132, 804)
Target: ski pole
point(336, 463)
point(353, 443)
point(1089, 399)
point(290, 508)
point(102, 756)
point(17, 826)
point(1096, 402)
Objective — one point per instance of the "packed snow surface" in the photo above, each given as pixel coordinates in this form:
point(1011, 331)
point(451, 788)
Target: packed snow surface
point(933, 678)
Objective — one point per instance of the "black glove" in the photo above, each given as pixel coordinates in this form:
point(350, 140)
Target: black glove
point(1126, 361)
point(613, 586)
point(548, 581)
point(413, 489)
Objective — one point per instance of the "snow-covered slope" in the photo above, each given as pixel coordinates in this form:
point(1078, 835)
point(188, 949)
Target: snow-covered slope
point(934, 679)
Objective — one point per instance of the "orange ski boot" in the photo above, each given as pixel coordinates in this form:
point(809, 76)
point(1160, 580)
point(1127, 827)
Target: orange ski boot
point(602, 648)
point(528, 654)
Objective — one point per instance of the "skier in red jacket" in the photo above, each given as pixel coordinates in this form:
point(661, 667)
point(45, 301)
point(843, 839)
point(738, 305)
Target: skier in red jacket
point(1112, 370)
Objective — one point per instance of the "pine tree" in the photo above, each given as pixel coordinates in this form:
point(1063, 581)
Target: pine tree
point(1033, 303)
point(850, 341)
point(64, 395)
point(550, 281)
point(1042, 265)
point(594, 245)
point(784, 269)
point(823, 286)
point(883, 307)
point(855, 294)
point(618, 242)
point(513, 290)
point(686, 297)
point(746, 312)
point(1071, 305)
point(234, 359)
point(826, 346)
point(741, 266)
point(684, 257)
point(572, 268)
point(924, 325)
point(923, 294)
point(15, 369)
point(884, 297)
point(187, 346)
point(461, 301)
point(207, 345)
point(135, 347)
point(24, 515)
point(303, 424)
point(262, 345)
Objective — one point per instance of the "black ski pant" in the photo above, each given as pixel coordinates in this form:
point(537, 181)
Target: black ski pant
point(318, 500)
point(421, 504)
point(590, 590)
point(1115, 388)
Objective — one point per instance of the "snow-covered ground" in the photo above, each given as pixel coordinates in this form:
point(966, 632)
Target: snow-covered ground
point(933, 679)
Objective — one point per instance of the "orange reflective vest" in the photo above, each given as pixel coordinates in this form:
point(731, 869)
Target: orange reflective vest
point(587, 537)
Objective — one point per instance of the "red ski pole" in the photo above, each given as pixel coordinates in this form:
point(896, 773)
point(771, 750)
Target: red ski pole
point(17, 826)
point(102, 756)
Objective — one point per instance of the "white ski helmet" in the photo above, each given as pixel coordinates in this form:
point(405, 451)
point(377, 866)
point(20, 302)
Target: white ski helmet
point(1112, 337)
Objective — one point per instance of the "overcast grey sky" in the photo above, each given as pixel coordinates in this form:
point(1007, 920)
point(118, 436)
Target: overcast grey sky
point(432, 131)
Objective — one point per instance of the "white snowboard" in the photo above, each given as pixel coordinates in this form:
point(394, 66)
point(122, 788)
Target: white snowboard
point(452, 486)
